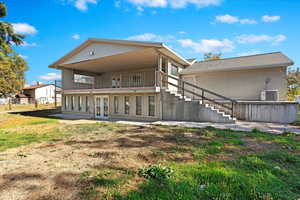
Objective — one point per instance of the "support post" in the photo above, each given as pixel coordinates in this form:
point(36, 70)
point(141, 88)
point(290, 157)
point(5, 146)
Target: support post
point(55, 101)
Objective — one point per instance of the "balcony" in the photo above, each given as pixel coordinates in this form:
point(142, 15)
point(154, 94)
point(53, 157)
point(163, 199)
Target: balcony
point(137, 82)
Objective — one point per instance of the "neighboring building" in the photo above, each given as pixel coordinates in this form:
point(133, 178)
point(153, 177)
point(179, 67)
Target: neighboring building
point(145, 80)
point(40, 93)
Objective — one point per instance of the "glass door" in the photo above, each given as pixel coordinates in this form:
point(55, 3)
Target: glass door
point(101, 107)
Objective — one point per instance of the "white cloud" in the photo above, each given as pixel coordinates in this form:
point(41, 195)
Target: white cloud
point(244, 39)
point(268, 18)
point(211, 45)
point(248, 21)
point(248, 53)
point(197, 3)
point(151, 37)
point(175, 3)
point(76, 36)
point(82, 4)
point(26, 44)
point(229, 19)
point(182, 32)
point(24, 28)
point(149, 3)
point(50, 77)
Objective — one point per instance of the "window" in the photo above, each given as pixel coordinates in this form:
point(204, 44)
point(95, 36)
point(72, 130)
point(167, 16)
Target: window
point(72, 102)
point(116, 104)
point(164, 64)
point(138, 105)
point(174, 70)
point(127, 105)
point(78, 78)
point(151, 105)
point(66, 102)
point(136, 80)
point(116, 82)
point(87, 104)
point(79, 103)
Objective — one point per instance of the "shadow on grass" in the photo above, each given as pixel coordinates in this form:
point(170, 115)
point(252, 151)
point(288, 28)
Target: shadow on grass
point(39, 113)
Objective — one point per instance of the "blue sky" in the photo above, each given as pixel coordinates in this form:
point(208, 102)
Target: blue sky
point(190, 27)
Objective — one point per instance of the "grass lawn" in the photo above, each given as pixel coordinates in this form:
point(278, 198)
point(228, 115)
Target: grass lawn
point(42, 158)
point(24, 107)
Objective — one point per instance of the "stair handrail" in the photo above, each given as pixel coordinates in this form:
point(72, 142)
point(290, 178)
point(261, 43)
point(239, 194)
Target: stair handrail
point(203, 90)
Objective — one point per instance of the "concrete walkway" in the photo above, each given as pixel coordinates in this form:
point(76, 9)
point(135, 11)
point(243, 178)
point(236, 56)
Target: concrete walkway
point(238, 126)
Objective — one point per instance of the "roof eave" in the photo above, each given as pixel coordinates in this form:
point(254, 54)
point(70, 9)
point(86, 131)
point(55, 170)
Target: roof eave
point(184, 61)
point(243, 68)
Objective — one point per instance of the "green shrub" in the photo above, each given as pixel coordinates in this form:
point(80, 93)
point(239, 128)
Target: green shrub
point(156, 172)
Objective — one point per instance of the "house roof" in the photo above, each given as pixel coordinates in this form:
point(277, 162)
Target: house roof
point(160, 46)
point(30, 87)
point(275, 59)
point(22, 96)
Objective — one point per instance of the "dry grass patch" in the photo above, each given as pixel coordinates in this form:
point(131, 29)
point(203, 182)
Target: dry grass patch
point(102, 160)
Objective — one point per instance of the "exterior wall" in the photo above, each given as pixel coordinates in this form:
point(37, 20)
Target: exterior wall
point(121, 114)
point(278, 112)
point(101, 50)
point(242, 84)
point(67, 77)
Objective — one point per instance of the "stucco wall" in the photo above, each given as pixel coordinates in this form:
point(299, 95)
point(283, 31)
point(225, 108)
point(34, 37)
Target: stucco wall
point(101, 50)
point(242, 84)
point(278, 112)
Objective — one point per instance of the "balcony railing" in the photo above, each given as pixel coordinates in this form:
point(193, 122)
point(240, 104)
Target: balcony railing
point(130, 80)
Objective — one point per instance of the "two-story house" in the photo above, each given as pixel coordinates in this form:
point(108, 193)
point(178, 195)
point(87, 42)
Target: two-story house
point(122, 79)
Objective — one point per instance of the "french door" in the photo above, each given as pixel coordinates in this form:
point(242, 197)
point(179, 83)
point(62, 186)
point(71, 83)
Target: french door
point(101, 107)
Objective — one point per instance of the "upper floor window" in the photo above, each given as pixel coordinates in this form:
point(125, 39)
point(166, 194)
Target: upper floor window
point(174, 70)
point(136, 79)
point(79, 78)
point(116, 82)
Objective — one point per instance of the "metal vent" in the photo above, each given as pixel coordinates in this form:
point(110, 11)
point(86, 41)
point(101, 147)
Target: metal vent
point(270, 95)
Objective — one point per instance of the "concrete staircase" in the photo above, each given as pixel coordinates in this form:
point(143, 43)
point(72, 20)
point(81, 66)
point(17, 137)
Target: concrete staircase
point(177, 107)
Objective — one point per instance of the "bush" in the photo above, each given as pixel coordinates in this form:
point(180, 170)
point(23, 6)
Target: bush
point(156, 172)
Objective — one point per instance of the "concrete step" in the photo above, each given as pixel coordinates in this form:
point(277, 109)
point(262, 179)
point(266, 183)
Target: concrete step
point(219, 115)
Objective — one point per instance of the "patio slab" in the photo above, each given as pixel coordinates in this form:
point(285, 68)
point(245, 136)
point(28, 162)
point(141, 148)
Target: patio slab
point(273, 128)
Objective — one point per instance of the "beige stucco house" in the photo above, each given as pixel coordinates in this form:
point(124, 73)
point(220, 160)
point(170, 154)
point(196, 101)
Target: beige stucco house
point(121, 79)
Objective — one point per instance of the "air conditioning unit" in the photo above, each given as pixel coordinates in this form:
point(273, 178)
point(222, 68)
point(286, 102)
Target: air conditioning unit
point(269, 95)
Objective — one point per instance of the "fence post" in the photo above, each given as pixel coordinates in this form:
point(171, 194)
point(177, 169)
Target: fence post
point(202, 96)
point(55, 101)
point(9, 103)
point(35, 103)
point(182, 88)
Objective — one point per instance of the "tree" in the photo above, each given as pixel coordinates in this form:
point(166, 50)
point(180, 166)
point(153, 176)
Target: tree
point(293, 82)
point(212, 56)
point(12, 66)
